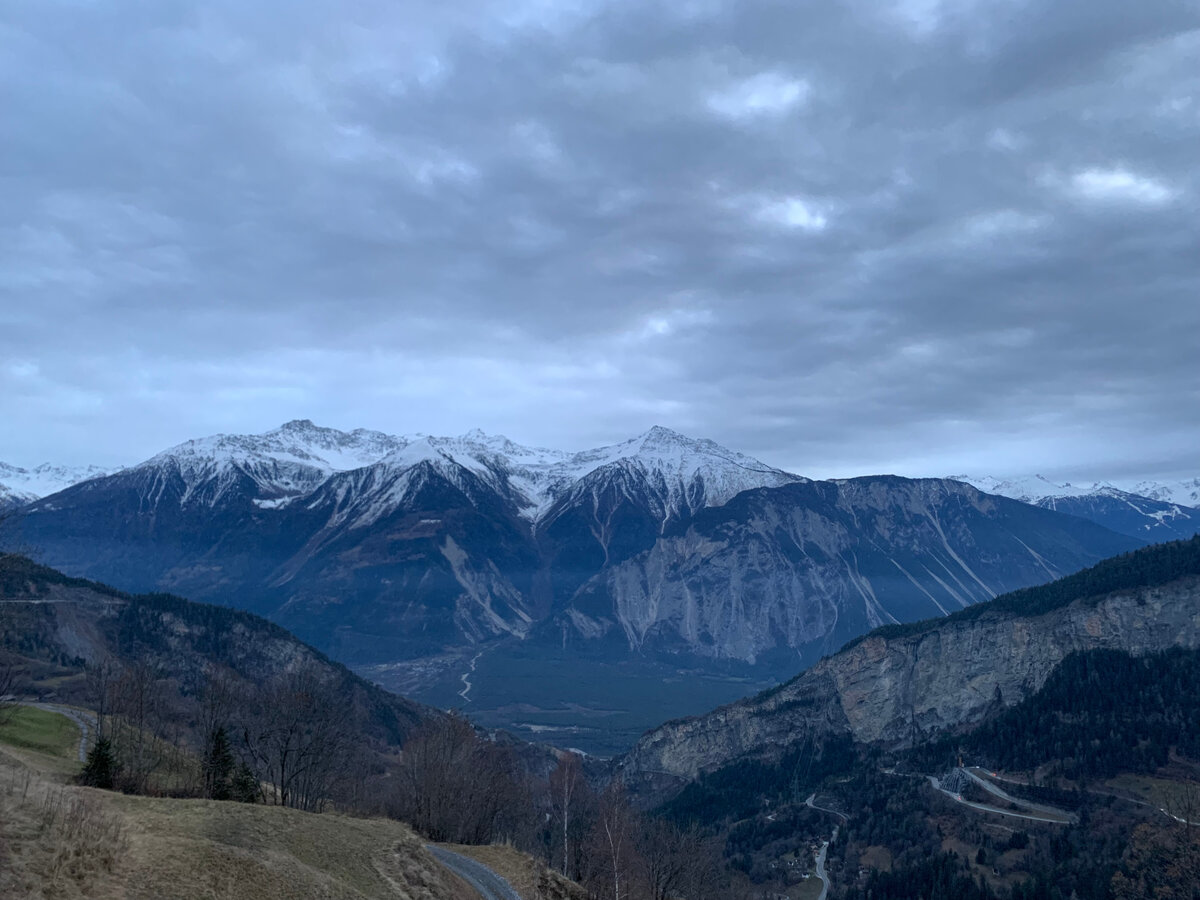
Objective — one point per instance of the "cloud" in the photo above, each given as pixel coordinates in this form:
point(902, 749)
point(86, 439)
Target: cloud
point(918, 237)
point(1119, 185)
point(793, 212)
point(764, 94)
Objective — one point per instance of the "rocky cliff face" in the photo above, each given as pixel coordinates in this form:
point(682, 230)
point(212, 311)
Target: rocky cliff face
point(892, 690)
point(798, 570)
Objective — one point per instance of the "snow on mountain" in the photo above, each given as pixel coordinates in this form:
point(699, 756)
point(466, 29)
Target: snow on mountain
point(682, 473)
point(288, 462)
point(300, 442)
point(294, 460)
point(1034, 488)
point(1184, 493)
point(686, 472)
point(19, 486)
point(1143, 511)
point(1031, 488)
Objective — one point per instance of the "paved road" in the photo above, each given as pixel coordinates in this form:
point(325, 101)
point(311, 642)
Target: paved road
point(84, 719)
point(490, 885)
point(983, 807)
point(821, 863)
point(1100, 793)
point(992, 788)
point(810, 802)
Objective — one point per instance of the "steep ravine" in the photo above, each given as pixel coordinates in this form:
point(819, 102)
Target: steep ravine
point(892, 690)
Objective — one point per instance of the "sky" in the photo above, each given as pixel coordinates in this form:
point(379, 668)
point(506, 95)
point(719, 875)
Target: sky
point(846, 238)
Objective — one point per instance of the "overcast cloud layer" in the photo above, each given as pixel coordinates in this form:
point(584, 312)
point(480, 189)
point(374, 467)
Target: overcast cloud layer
point(843, 237)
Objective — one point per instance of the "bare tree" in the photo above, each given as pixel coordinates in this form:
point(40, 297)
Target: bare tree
point(664, 858)
point(612, 844)
point(567, 789)
point(299, 738)
point(433, 771)
point(100, 678)
point(138, 720)
point(455, 785)
point(703, 875)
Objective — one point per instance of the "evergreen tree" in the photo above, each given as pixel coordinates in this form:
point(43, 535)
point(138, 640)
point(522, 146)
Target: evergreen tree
point(218, 766)
point(100, 769)
point(243, 787)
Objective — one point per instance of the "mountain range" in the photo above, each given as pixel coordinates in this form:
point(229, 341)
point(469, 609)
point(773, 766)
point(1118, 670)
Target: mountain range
point(19, 486)
point(1155, 511)
point(460, 569)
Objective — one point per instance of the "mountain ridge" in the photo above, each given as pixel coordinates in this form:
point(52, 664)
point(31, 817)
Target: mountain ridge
point(664, 550)
point(1147, 511)
point(903, 683)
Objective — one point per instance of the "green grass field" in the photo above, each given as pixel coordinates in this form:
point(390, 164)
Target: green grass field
point(41, 731)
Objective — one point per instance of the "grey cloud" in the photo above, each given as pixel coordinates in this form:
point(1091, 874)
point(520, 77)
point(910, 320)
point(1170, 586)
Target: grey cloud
point(551, 220)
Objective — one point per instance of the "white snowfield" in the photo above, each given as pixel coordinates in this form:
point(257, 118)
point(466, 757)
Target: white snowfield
point(25, 485)
point(369, 472)
point(1034, 488)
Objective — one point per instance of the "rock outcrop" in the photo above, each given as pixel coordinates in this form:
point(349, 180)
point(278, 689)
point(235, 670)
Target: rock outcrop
point(893, 690)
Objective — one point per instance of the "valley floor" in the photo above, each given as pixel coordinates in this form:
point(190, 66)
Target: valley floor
point(599, 707)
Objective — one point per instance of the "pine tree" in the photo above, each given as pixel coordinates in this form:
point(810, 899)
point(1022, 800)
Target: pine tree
point(218, 766)
point(100, 769)
point(244, 786)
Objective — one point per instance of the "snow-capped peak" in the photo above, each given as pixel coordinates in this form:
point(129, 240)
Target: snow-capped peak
point(687, 471)
point(300, 442)
point(1038, 488)
point(26, 485)
point(661, 446)
point(1182, 493)
point(1031, 488)
point(294, 460)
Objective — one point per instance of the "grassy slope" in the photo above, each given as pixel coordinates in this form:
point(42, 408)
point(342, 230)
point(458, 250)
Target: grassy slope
point(57, 840)
point(42, 732)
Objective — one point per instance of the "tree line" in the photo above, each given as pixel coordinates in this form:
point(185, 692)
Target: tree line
point(1100, 713)
point(290, 741)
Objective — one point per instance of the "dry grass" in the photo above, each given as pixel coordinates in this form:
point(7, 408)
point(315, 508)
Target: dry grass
point(62, 841)
point(529, 878)
point(54, 839)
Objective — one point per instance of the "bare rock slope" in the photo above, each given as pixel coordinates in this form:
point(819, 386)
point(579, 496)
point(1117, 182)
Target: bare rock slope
point(900, 683)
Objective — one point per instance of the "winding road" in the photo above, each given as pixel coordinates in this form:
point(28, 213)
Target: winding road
point(1048, 813)
point(820, 866)
point(994, 789)
point(490, 885)
point(1099, 793)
